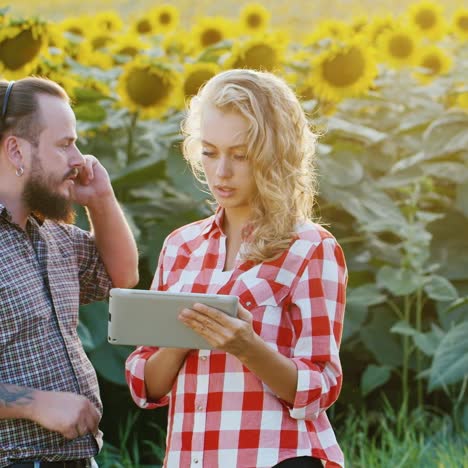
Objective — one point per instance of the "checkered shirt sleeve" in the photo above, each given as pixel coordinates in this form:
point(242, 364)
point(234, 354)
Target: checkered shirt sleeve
point(221, 414)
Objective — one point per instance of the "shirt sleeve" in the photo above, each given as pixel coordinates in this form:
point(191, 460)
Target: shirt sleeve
point(317, 308)
point(95, 283)
point(136, 361)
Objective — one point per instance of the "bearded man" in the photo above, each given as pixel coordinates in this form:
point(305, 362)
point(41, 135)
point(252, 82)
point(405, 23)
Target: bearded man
point(49, 398)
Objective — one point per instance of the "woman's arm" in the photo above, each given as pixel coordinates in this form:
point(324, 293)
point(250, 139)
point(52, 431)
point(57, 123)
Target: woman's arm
point(161, 370)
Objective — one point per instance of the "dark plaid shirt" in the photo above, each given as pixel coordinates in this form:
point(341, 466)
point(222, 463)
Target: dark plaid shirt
point(46, 272)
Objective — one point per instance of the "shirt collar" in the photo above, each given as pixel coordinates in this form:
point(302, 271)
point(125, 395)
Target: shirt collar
point(4, 213)
point(214, 223)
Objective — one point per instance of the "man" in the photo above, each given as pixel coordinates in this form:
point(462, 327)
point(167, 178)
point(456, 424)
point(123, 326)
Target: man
point(49, 397)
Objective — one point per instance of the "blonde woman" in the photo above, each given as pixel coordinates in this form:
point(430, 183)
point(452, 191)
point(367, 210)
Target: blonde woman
point(259, 398)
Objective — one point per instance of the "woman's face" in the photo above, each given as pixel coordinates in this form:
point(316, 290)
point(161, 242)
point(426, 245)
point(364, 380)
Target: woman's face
point(224, 159)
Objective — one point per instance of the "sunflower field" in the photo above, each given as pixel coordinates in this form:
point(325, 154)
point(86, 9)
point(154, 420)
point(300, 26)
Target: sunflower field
point(388, 93)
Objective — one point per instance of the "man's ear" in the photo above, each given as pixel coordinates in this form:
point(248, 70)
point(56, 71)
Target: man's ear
point(16, 150)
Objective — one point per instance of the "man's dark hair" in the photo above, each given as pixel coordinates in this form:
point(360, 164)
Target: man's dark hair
point(22, 117)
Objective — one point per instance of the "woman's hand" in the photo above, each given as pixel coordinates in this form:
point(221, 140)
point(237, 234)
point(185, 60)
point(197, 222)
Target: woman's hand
point(233, 335)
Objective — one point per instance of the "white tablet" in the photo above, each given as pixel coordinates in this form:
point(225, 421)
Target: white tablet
point(142, 317)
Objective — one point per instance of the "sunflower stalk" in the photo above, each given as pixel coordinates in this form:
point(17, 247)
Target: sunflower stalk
point(131, 133)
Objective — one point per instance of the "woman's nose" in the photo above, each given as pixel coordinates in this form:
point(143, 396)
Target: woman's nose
point(224, 168)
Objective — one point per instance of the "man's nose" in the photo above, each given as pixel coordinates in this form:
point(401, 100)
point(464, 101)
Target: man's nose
point(76, 158)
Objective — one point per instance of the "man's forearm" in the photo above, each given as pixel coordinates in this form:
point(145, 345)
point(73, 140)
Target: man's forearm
point(15, 401)
point(114, 241)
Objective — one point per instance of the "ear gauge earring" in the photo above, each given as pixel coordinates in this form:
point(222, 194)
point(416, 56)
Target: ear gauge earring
point(19, 171)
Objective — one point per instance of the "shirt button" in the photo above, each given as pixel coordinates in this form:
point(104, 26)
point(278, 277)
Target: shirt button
point(195, 460)
point(199, 408)
point(203, 358)
point(248, 303)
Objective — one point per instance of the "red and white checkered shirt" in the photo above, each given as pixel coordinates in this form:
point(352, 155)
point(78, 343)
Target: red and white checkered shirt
point(220, 413)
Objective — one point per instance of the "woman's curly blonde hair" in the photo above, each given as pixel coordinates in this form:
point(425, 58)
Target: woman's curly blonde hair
point(281, 151)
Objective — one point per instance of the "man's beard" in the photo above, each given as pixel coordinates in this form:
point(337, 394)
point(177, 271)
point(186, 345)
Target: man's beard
point(42, 201)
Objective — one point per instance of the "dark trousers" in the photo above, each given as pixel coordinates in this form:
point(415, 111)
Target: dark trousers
point(300, 462)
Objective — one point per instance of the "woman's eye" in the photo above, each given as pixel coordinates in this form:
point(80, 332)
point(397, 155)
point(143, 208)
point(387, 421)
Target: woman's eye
point(240, 157)
point(207, 153)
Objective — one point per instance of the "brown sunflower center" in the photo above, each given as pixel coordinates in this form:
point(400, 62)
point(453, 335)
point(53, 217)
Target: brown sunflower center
point(211, 36)
point(425, 19)
point(401, 46)
point(463, 23)
point(345, 68)
point(165, 18)
point(145, 88)
point(144, 26)
point(195, 80)
point(254, 20)
point(260, 57)
point(17, 51)
point(75, 30)
point(432, 63)
point(100, 41)
point(128, 50)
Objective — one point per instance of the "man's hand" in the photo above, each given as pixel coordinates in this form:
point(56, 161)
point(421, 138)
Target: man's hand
point(69, 414)
point(92, 184)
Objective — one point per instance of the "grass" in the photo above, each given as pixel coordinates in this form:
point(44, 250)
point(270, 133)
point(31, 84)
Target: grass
point(424, 439)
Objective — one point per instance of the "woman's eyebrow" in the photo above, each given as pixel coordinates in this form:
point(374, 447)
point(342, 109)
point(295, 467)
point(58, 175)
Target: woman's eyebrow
point(240, 145)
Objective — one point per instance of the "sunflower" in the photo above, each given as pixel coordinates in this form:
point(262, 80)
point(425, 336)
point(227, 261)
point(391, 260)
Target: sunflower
point(209, 31)
point(378, 26)
point(435, 61)
point(177, 43)
point(148, 87)
point(143, 25)
point(91, 57)
point(258, 53)
point(399, 46)
point(108, 21)
point(165, 18)
point(21, 44)
point(427, 17)
point(196, 75)
point(343, 70)
point(126, 47)
point(67, 80)
point(460, 23)
point(359, 23)
point(462, 101)
point(254, 18)
point(76, 25)
point(328, 29)
point(100, 40)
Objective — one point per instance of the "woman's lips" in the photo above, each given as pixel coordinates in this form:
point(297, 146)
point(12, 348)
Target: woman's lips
point(224, 191)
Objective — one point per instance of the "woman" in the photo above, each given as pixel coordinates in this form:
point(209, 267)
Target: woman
point(259, 398)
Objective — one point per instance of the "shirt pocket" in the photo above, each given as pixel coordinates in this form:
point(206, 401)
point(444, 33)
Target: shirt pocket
point(268, 304)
